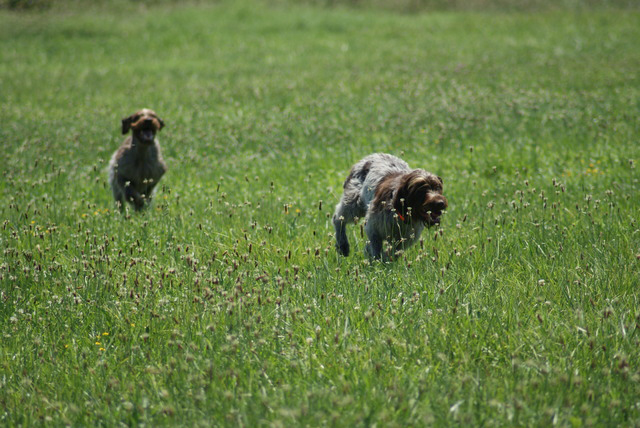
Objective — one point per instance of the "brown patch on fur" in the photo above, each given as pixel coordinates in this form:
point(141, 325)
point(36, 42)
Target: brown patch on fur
point(383, 196)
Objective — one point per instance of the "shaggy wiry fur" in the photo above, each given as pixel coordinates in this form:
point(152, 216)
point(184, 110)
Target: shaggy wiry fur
point(395, 201)
point(137, 166)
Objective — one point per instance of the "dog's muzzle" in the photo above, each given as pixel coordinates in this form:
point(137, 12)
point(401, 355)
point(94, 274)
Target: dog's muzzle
point(148, 131)
point(147, 135)
point(433, 211)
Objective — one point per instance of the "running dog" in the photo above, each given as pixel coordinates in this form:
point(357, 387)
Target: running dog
point(395, 201)
point(137, 166)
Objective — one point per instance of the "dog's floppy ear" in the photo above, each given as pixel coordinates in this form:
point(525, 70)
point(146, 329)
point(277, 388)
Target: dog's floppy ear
point(440, 180)
point(161, 122)
point(126, 122)
point(400, 199)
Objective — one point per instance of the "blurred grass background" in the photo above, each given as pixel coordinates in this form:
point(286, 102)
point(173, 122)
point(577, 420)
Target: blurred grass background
point(402, 6)
point(226, 303)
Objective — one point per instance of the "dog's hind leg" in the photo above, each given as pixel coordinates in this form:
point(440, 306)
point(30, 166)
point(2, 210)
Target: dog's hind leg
point(349, 208)
point(340, 219)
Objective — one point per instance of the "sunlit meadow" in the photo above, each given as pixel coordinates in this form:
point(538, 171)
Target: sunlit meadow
point(225, 303)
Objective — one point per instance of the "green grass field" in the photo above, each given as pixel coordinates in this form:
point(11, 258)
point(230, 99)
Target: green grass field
point(226, 304)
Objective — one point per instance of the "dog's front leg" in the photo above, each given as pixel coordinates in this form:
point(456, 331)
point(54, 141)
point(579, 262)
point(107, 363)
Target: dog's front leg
point(148, 195)
point(119, 198)
point(130, 193)
point(136, 199)
point(374, 246)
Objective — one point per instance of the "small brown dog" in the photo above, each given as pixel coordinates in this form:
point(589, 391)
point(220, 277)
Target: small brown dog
point(137, 166)
point(395, 201)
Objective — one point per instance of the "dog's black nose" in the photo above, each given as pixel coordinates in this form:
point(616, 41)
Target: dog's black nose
point(439, 205)
point(148, 121)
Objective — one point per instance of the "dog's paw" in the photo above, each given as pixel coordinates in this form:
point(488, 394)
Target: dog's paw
point(343, 249)
point(138, 204)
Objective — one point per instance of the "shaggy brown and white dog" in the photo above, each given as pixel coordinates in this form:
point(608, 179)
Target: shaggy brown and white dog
point(137, 166)
point(395, 201)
